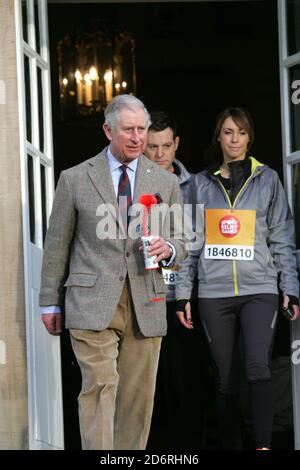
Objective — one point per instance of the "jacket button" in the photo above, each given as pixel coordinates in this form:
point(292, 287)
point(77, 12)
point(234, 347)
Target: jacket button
point(121, 278)
point(127, 254)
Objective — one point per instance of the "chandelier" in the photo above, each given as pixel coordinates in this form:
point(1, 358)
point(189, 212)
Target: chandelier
point(93, 68)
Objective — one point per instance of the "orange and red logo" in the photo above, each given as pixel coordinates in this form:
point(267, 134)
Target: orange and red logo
point(229, 226)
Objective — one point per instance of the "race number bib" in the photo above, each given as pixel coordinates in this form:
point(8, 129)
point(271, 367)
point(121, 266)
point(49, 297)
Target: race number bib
point(170, 275)
point(230, 234)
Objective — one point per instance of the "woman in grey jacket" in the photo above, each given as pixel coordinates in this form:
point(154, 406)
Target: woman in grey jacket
point(247, 244)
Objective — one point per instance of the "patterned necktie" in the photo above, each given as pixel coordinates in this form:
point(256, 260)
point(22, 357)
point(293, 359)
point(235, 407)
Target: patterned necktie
point(124, 196)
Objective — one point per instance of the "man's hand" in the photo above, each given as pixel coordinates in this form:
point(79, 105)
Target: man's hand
point(185, 317)
point(52, 322)
point(295, 308)
point(160, 248)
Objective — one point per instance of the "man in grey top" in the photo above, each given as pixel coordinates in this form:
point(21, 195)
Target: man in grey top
point(115, 328)
point(162, 144)
point(176, 378)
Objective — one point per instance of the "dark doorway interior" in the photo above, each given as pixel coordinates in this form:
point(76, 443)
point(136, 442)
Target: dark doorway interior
point(192, 59)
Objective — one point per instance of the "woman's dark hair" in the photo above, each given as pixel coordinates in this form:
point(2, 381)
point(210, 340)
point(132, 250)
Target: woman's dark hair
point(241, 117)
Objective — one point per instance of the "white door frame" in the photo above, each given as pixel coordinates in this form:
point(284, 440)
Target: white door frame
point(45, 410)
point(289, 159)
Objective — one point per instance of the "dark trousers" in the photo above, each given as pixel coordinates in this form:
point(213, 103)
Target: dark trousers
point(179, 415)
point(223, 320)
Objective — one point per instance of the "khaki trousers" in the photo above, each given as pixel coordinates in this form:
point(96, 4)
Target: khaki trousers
point(118, 367)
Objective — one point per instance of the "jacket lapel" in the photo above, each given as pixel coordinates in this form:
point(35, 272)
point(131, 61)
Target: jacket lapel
point(144, 180)
point(102, 180)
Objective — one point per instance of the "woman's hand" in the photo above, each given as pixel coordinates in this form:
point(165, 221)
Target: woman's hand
point(185, 317)
point(295, 308)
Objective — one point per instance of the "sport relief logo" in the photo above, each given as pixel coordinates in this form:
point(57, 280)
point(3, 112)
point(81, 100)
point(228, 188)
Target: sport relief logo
point(229, 226)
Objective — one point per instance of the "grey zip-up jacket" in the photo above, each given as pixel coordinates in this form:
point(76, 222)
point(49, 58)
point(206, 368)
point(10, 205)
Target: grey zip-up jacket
point(274, 247)
point(184, 180)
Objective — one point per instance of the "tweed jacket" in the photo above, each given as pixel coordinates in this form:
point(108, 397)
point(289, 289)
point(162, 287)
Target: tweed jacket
point(93, 266)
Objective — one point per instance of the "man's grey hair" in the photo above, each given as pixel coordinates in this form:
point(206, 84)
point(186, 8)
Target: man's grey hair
point(120, 102)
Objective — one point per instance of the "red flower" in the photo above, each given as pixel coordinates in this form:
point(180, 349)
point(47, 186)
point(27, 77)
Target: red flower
point(148, 200)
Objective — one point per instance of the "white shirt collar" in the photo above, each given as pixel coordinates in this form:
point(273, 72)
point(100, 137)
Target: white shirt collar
point(114, 162)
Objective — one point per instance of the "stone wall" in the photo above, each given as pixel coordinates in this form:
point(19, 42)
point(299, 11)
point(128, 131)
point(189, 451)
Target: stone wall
point(13, 373)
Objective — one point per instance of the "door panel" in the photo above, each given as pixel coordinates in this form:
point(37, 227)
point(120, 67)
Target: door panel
point(43, 350)
point(289, 45)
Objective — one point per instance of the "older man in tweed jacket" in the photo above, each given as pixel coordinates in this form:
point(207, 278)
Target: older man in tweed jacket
point(115, 328)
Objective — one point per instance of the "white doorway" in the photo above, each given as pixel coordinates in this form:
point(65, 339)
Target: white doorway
point(43, 351)
point(289, 46)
